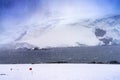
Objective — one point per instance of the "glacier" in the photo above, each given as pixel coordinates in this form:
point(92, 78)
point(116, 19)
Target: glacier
point(67, 33)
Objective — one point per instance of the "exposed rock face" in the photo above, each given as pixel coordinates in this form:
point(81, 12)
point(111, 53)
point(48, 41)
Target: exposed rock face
point(100, 32)
point(106, 41)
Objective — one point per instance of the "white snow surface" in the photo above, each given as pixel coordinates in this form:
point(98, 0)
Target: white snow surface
point(60, 72)
point(62, 32)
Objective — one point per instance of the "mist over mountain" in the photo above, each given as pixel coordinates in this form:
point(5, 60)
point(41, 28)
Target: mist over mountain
point(59, 23)
point(70, 33)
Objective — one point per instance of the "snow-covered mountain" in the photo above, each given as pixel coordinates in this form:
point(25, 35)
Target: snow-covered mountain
point(72, 32)
point(15, 45)
point(110, 28)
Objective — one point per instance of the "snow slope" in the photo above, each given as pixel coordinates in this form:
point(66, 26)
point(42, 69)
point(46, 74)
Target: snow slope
point(69, 32)
point(75, 32)
point(60, 72)
point(62, 34)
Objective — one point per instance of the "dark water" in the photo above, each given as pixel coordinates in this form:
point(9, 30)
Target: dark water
point(96, 54)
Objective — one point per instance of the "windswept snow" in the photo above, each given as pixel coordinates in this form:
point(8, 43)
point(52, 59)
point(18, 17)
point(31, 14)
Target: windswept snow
point(75, 32)
point(67, 32)
point(63, 35)
point(60, 72)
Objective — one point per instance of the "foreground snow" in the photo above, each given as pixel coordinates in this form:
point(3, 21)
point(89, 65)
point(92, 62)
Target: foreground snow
point(60, 72)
